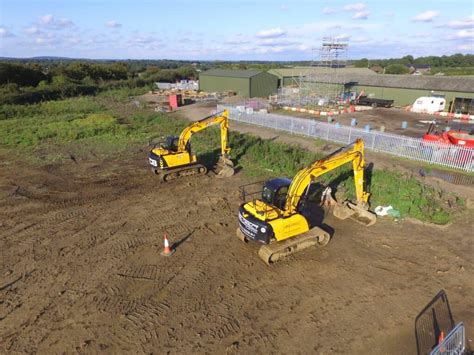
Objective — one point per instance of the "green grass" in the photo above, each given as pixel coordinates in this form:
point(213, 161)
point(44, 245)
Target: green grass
point(409, 196)
point(109, 126)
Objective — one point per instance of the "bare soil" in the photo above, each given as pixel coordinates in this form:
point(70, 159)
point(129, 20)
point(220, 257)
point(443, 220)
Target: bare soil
point(81, 271)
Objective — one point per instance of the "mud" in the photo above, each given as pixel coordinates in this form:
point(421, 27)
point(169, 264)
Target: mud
point(81, 271)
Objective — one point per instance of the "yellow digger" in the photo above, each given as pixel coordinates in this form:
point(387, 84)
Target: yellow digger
point(172, 158)
point(277, 217)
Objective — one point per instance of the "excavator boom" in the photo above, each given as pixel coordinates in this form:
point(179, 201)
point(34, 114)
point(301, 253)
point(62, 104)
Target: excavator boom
point(221, 118)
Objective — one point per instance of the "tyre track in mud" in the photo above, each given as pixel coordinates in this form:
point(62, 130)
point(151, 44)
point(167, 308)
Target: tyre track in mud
point(85, 275)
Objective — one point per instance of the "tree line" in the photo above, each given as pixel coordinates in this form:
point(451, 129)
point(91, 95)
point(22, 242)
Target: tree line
point(25, 82)
point(452, 64)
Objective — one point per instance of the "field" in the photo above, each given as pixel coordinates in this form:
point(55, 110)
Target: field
point(81, 227)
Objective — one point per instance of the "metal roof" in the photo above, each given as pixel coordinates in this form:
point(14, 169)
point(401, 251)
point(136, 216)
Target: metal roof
point(231, 73)
point(423, 82)
point(297, 71)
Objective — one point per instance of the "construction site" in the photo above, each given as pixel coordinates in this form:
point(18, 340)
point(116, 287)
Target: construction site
point(263, 208)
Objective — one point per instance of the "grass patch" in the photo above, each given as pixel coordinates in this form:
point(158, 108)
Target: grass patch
point(408, 195)
point(108, 125)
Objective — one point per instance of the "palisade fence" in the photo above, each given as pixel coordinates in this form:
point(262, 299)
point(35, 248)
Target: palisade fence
point(406, 147)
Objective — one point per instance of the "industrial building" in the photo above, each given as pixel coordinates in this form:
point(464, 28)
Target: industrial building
point(405, 89)
point(245, 83)
point(458, 91)
point(291, 76)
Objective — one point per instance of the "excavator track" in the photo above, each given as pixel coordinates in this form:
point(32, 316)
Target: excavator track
point(275, 251)
point(174, 174)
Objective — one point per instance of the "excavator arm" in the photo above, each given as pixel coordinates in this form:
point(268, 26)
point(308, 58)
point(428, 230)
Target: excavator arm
point(221, 118)
point(353, 153)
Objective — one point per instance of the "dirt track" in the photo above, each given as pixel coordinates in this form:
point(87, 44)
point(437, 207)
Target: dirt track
point(81, 271)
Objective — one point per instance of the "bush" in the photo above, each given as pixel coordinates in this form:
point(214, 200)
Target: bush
point(396, 69)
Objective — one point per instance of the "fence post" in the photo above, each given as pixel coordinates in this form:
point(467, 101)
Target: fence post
point(350, 133)
point(373, 141)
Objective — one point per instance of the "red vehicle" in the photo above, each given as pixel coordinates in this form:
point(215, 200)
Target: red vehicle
point(456, 137)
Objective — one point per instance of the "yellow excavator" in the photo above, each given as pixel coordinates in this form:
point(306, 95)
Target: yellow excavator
point(278, 218)
point(172, 158)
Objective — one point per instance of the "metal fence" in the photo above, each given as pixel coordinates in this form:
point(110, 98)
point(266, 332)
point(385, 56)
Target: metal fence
point(453, 344)
point(406, 147)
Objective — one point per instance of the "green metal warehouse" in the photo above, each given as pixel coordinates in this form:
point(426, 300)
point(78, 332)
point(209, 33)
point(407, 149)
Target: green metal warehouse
point(246, 83)
point(291, 76)
point(405, 89)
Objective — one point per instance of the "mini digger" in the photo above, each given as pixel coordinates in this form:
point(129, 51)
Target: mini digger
point(277, 218)
point(172, 158)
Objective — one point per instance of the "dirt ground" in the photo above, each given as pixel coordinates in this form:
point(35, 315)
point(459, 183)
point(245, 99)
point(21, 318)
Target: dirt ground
point(81, 271)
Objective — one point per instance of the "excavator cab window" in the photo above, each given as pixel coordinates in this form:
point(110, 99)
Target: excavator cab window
point(280, 197)
point(268, 195)
point(169, 143)
point(275, 198)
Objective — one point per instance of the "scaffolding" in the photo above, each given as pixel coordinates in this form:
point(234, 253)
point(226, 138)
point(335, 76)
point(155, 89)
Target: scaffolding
point(322, 87)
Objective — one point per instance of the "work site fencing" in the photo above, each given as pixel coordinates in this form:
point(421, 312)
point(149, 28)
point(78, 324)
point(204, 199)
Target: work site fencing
point(406, 147)
point(453, 344)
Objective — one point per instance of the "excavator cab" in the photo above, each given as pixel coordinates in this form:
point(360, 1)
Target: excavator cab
point(170, 143)
point(274, 192)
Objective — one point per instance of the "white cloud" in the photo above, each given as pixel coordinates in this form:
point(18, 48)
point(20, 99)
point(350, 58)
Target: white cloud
point(49, 21)
point(464, 23)
point(46, 19)
point(464, 34)
point(342, 37)
point(271, 33)
point(46, 41)
point(469, 48)
point(280, 42)
point(426, 16)
point(328, 10)
point(113, 24)
point(31, 30)
point(361, 15)
point(355, 7)
point(4, 32)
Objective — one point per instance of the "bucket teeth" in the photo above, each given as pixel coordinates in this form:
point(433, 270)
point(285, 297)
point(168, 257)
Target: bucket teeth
point(224, 167)
point(358, 213)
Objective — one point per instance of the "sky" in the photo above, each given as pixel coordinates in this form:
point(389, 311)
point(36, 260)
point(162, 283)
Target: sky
point(233, 29)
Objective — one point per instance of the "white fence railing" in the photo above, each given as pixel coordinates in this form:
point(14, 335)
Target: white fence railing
point(406, 147)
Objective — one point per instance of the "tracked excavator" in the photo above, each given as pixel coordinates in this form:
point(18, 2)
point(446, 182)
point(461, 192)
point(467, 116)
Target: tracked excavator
point(172, 158)
point(277, 217)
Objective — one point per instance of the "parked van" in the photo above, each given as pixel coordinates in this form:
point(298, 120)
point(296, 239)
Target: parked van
point(429, 104)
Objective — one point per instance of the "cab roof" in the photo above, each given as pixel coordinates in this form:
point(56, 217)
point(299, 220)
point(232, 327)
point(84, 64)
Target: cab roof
point(276, 183)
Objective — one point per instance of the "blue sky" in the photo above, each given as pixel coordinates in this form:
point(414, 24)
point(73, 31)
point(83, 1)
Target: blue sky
point(232, 30)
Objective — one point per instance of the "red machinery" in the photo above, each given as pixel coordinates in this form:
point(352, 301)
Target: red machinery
point(456, 137)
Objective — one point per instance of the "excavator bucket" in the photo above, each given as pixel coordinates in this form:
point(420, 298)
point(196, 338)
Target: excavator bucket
point(224, 167)
point(358, 213)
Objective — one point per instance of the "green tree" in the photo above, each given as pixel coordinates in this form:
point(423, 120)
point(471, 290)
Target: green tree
point(362, 63)
point(21, 74)
point(396, 69)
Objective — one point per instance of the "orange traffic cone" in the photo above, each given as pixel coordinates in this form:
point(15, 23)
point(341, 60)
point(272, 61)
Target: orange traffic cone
point(167, 251)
